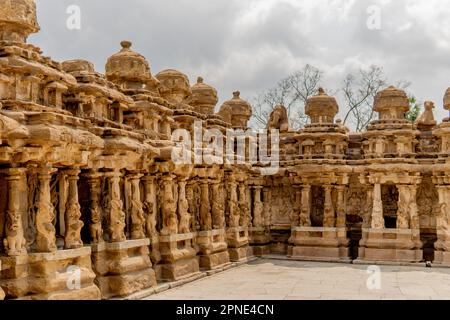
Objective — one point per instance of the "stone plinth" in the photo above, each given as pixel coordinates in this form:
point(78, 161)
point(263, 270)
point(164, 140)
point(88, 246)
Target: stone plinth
point(320, 244)
point(2, 293)
point(442, 249)
point(213, 253)
point(390, 245)
point(178, 257)
point(238, 244)
point(155, 254)
point(259, 240)
point(123, 268)
point(62, 275)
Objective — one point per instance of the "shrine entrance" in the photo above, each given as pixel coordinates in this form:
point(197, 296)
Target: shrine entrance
point(317, 206)
point(389, 196)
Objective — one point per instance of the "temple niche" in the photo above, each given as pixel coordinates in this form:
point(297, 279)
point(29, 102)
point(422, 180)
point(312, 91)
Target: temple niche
point(88, 183)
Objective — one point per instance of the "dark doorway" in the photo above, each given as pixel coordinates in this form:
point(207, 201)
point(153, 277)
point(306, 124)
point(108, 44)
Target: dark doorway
point(317, 206)
point(389, 196)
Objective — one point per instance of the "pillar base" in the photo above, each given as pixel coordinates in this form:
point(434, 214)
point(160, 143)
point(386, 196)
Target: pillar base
point(123, 268)
point(49, 276)
point(241, 254)
point(390, 245)
point(238, 244)
point(441, 258)
point(319, 244)
point(155, 254)
point(178, 257)
point(213, 252)
point(259, 240)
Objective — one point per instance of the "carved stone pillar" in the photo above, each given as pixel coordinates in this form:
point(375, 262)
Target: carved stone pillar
point(15, 243)
point(367, 211)
point(192, 204)
point(45, 215)
point(441, 215)
point(150, 205)
point(297, 205)
point(95, 226)
point(116, 214)
point(244, 206)
point(340, 208)
point(266, 207)
point(183, 208)
point(234, 215)
point(257, 207)
point(305, 211)
point(168, 207)
point(218, 205)
point(377, 210)
point(413, 210)
point(137, 212)
point(73, 213)
point(205, 207)
point(404, 199)
point(329, 219)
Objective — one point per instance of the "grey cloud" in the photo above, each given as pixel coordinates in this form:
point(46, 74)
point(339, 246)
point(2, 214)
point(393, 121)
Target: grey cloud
point(213, 39)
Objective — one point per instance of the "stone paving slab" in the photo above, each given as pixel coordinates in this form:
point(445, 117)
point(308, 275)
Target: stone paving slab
point(297, 280)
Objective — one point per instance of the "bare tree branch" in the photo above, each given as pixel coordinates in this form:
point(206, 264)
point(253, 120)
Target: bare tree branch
point(291, 92)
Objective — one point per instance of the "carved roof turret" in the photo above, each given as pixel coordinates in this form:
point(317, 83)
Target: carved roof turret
point(236, 111)
point(321, 108)
point(391, 103)
point(130, 70)
point(174, 85)
point(17, 20)
point(203, 98)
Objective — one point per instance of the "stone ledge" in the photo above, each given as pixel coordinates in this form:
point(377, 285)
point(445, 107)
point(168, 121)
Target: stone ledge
point(60, 254)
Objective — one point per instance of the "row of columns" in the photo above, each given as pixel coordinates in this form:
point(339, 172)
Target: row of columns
point(332, 217)
point(70, 222)
point(407, 213)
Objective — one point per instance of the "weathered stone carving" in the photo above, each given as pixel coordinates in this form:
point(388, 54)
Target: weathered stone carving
point(73, 214)
point(95, 226)
point(149, 206)
point(45, 235)
point(218, 206)
point(183, 206)
point(137, 211)
point(205, 207)
point(14, 243)
point(169, 208)
point(279, 119)
point(258, 208)
point(377, 220)
point(234, 213)
point(116, 214)
point(305, 212)
point(386, 187)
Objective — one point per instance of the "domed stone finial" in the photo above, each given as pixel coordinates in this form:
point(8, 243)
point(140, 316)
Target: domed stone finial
point(321, 108)
point(203, 98)
point(174, 85)
point(236, 111)
point(126, 45)
point(391, 103)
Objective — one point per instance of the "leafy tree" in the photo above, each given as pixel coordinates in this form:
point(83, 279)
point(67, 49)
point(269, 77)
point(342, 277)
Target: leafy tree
point(414, 109)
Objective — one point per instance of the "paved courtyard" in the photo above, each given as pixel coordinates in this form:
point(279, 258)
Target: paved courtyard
point(283, 279)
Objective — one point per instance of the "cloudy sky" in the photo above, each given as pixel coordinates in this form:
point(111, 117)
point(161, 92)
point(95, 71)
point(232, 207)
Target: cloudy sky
point(251, 44)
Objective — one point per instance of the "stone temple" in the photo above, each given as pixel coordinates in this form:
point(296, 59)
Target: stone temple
point(88, 183)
